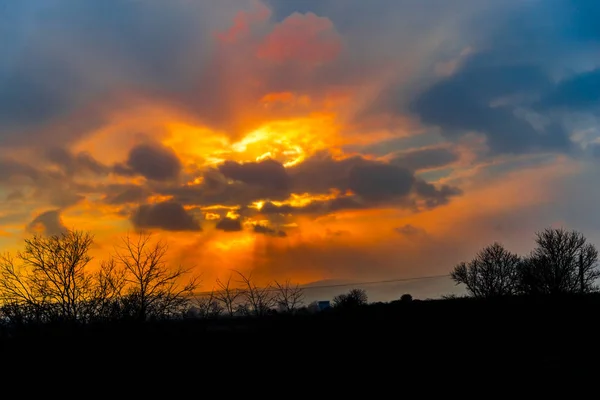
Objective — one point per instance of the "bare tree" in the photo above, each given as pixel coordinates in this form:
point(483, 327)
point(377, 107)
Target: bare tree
point(19, 301)
point(227, 296)
point(287, 296)
point(51, 277)
point(208, 306)
point(562, 262)
point(109, 287)
point(492, 273)
point(258, 300)
point(154, 289)
point(354, 298)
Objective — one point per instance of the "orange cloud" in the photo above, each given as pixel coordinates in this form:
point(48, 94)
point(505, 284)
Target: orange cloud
point(303, 38)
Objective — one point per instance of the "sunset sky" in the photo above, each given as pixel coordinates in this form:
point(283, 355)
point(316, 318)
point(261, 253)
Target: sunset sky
point(310, 140)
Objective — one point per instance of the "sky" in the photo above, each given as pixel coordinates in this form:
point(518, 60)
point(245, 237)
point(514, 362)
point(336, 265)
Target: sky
point(320, 141)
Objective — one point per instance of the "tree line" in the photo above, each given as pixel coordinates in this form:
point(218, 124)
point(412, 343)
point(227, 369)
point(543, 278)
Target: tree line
point(52, 280)
point(563, 262)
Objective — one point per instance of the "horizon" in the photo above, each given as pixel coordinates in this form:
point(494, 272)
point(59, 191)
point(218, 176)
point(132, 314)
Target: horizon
point(302, 140)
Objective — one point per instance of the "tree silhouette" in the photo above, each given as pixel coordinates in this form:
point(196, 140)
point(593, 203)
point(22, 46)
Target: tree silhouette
point(562, 262)
point(227, 296)
point(287, 296)
point(492, 273)
point(110, 281)
point(153, 288)
point(49, 280)
point(354, 298)
point(258, 301)
point(208, 306)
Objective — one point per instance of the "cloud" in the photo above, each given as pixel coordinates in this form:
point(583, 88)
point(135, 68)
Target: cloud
point(153, 161)
point(409, 230)
point(229, 224)
point(265, 230)
point(435, 196)
point(321, 172)
point(478, 85)
point(268, 173)
point(578, 92)
point(376, 182)
point(52, 70)
point(169, 216)
point(11, 170)
point(301, 38)
point(425, 158)
point(512, 64)
point(216, 189)
point(315, 207)
point(349, 183)
point(125, 193)
point(75, 163)
point(48, 223)
point(373, 182)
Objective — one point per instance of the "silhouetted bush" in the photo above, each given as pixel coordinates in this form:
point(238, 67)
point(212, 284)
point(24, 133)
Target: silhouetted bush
point(354, 298)
point(406, 298)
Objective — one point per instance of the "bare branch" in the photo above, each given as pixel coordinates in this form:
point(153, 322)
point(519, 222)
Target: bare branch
point(287, 296)
point(154, 289)
point(227, 296)
point(258, 300)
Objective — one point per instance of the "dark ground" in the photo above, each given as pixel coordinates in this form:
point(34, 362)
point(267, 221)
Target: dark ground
point(538, 341)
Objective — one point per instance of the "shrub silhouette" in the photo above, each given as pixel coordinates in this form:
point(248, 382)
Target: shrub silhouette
point(354, 298)
point(406, 298)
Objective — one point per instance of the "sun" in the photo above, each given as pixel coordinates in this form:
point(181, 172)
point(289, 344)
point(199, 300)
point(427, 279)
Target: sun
point(288, 141)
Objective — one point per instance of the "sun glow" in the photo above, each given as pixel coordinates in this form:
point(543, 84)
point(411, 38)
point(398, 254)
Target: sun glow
point(288, 141)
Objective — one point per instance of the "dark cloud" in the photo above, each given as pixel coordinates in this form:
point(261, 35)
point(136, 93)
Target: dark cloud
point(317, 207)
point(425, 158)
point(375, 182)
point(75, 163)
point(59, 197)
point(595, 150)
point(126, 193)
point(435, 196)
point(169, 216)
point(321, 172)
point(270, 208)
point(516, 53)
point(12, 169)
point(579, 92)
point(50, 70)
point(371, 182)
point(409, 230)
point(153, 161)
point(229, 225)
point(265, 230)
point(15, 196)
point(53, 187)
point(464, 102)
point(48, 223)
point(268, 173)
point(227, 194)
